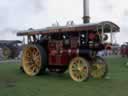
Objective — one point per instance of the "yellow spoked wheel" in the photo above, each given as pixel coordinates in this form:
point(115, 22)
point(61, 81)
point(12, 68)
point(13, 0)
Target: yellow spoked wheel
point(6, 52)
point(79, 69)
point(33, 60)
point(99, 68)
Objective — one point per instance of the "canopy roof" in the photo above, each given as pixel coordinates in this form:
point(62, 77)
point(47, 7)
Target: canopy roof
point(106, 26)
point(9, 41)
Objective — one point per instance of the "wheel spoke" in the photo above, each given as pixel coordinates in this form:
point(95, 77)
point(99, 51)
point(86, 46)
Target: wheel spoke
point(27, 62)
point(74, 67)
point(36, 58)
point(35, 69)
point(36, 54)
point(32, 66)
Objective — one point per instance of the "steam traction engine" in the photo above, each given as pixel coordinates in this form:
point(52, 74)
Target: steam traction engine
point(67, 47)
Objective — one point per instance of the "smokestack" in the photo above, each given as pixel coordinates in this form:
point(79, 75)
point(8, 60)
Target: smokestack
point(86, 18)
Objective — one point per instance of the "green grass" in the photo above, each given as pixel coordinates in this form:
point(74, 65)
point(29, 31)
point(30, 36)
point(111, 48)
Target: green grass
point(15, 83)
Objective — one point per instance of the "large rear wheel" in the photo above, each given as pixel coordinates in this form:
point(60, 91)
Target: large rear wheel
point(79, 69)
point(99, 68)
point(34, 60)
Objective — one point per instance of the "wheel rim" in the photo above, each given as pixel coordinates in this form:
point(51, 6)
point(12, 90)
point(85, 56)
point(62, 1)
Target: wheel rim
point(6, 53)
point(98, 69)
point(31, 60)
point(79, 69)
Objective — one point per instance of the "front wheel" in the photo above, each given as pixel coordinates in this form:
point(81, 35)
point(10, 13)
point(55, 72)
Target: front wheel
point(99, 68)
point(79, 69)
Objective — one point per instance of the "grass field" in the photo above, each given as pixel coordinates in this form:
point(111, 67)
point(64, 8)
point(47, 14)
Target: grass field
point(15, 83)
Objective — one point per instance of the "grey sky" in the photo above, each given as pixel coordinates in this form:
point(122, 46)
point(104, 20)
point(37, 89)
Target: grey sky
point(23, 14)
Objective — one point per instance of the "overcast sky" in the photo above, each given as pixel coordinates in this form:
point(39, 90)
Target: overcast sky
point(24, 14)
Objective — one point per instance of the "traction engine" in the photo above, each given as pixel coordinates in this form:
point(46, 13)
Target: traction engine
point(72, 47)
point(67, 47)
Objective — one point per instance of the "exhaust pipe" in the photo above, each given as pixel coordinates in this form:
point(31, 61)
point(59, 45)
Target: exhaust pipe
point(86, 18)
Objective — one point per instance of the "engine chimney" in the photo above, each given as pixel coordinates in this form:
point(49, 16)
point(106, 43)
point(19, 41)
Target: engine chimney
point(86, 18)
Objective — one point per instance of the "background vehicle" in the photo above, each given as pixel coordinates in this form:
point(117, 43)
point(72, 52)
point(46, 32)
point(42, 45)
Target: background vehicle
point(10, 48)
point(124, 49)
